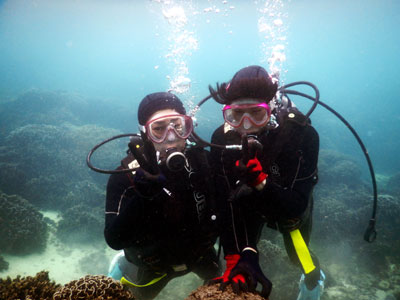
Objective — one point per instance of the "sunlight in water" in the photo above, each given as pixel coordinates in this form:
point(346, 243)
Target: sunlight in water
point(181, 44)
point(272, 27)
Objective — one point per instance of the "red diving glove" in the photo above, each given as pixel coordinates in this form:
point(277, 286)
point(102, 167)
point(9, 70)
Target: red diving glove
point(248, 266)
point(237, 281)
point(252, 172)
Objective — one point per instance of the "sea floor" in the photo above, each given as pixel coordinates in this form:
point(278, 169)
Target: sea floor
point(70, 262)
point(63, 262)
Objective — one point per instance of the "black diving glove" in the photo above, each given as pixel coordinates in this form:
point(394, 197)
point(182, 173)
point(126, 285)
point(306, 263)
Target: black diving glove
point(148, 179)
point(248, 266)
point(148, 184)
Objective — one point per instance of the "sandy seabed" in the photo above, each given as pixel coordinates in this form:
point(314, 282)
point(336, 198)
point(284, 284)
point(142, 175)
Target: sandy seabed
point(70, 262)
point(64, 262)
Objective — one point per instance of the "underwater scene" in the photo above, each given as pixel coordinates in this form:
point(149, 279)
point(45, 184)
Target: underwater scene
point(73, 72)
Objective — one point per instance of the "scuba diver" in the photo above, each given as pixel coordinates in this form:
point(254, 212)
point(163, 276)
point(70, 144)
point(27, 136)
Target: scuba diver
point(161, 202)
point(270, 181)
point(158, 211)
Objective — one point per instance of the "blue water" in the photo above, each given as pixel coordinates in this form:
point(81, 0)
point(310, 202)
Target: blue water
point(117, 50)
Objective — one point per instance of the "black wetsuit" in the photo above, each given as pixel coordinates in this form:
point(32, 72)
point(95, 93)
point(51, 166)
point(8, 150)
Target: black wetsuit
point(289, 157)
point(169, 233)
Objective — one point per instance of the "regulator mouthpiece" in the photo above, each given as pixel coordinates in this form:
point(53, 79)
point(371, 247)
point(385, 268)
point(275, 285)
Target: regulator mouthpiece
point(176, 160)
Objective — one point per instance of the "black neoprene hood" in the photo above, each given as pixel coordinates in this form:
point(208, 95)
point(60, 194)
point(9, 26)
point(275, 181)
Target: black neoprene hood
point(158, 101)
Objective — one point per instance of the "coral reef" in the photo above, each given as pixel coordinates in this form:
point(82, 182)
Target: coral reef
point(212, 292)
point(29, 288)
point(45, 139)
point(352, 283)
point(393, 185)
point(340, 213)
point(271, 253)
point(90, 287)
point(22, 228)
point(341, 216)
point(335, 167)
point(53, 174)
point(81, 224)
point(3, 264)
point(277, 267)
point(57, 107)
point(93, 287)
point(385, 250)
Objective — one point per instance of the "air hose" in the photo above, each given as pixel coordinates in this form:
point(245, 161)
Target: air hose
point(370, 233)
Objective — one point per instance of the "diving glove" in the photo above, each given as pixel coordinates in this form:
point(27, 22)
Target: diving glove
point(148, 184)
point(251, 172)
point(249, 168)
point(248, 266)
point(148, 178)
point(224, 280)
point(315, 293)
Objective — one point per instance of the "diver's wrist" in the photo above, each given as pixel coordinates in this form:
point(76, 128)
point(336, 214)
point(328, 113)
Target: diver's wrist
point(261, 185)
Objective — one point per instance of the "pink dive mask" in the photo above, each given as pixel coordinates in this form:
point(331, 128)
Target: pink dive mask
point(247, 115)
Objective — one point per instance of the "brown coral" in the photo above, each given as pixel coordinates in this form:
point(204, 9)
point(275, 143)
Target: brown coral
point(16, 236)
point(38, 287)
point(212, 292)
point(93, 287)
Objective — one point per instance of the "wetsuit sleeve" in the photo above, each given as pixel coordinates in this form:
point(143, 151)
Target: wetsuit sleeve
point(289, 199)
point(230, 223)
point(124, 212)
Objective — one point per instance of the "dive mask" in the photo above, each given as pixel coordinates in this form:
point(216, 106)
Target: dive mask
point(247, 115)
point(168, 128)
